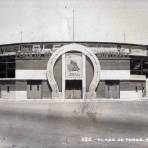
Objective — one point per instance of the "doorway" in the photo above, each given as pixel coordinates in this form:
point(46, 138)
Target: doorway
point(34, 89)
point(112, 89)
point(73, 89)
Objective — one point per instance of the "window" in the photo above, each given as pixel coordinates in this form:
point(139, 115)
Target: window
point(7, 67)
point(136, 66)
point(139, 67)
point(145, 68)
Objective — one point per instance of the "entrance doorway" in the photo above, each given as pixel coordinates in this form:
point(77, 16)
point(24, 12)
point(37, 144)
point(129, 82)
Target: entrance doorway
point(73, 89)
point(34, 89)
point(112, 89)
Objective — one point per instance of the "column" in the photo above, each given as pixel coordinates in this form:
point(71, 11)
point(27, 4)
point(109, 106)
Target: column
point(63, 76)
point(84, 76)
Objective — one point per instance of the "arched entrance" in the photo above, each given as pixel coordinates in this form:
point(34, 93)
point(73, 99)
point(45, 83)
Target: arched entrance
point(76, 48)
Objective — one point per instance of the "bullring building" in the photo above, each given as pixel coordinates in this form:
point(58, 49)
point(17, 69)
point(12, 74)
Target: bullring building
point(73, 70)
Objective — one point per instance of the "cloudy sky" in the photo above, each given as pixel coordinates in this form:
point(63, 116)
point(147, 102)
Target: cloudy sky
point(94, 20)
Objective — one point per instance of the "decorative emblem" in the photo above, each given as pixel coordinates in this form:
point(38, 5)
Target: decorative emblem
point(73, 66)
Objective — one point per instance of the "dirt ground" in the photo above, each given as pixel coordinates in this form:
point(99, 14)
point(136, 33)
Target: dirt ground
point(74, 125)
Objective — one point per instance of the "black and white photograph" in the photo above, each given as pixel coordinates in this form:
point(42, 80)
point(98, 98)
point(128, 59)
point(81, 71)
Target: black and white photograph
point(73, 73)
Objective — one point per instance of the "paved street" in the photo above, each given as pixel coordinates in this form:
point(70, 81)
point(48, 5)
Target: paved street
point(38, 125)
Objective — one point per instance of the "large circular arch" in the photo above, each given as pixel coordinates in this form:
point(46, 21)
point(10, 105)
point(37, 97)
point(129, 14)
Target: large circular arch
point(79, 48)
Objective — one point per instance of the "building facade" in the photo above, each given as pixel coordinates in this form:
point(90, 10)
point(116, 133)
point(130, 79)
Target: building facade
point(73, 70)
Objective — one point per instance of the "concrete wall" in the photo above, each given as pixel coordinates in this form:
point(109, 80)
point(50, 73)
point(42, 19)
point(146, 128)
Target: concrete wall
point(131, 89)
point(41, 64)
point(31, 64)
point(115, 69)
point(7, 89)
point(17, 89)
point(127, 89)
point(21, 74)
point(115, 64)
point(115, 74)
point(21, 89)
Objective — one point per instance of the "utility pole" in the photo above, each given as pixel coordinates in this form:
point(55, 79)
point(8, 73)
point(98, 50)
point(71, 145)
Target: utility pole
point(124, 37)
point(73, 20)
point(21, 40)
point(21, 36)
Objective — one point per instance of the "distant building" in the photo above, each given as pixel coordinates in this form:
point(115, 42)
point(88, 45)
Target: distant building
point(73, 70)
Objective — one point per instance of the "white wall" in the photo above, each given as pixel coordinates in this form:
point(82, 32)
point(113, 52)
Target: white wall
point(13, 94)
point(115, 74)
point(31, 74)
point(21, 94)
point(130, 94)
point(120, 75)
point(8, 95)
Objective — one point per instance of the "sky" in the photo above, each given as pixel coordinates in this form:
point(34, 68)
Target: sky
point(90, 20)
